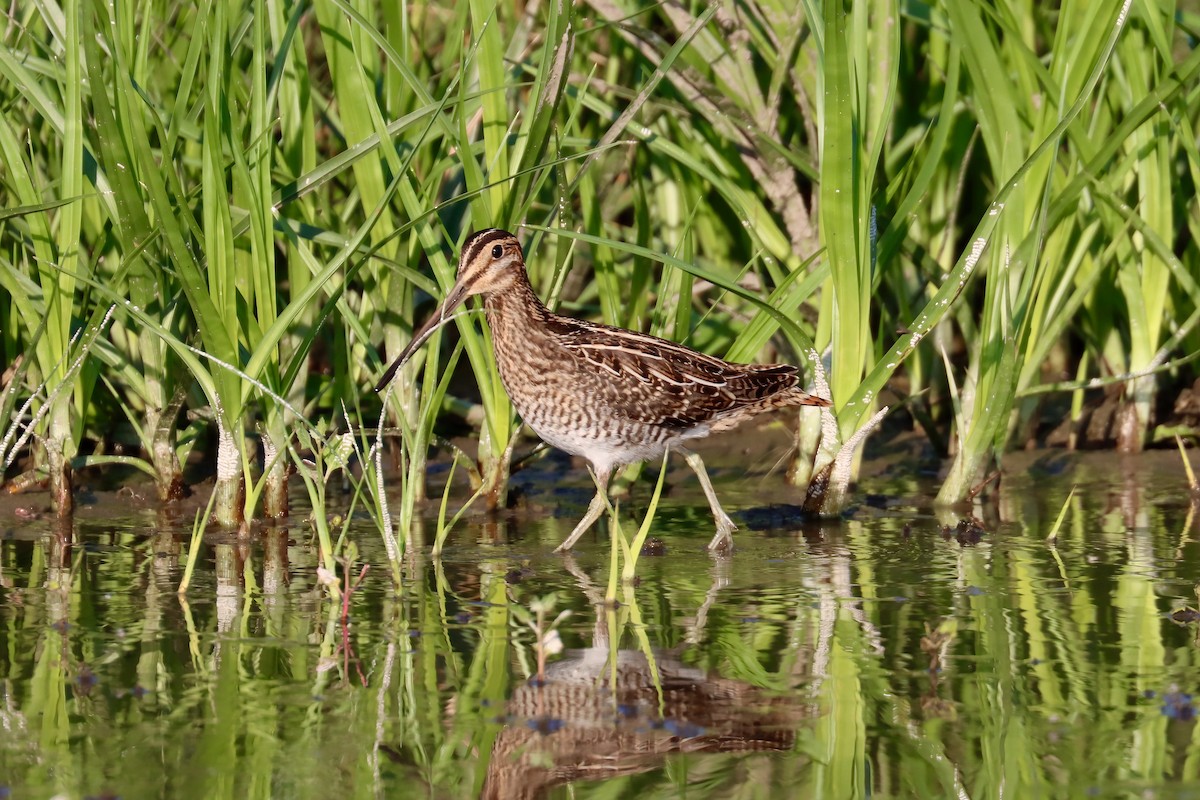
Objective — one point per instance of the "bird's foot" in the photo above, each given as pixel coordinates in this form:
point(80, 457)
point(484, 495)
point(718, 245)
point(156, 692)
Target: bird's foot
point(722, 543)
point(564, 549)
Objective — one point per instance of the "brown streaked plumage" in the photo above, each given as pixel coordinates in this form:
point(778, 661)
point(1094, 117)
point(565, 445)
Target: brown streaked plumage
point(610, 395)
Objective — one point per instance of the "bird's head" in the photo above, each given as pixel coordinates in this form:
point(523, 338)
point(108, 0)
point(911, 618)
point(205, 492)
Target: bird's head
point(490, 261)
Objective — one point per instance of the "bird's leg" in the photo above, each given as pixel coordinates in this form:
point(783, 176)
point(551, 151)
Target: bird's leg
point(723, 541)
point(595, 509)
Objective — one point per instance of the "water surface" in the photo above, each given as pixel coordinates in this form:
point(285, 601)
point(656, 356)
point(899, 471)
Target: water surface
point(895, 653)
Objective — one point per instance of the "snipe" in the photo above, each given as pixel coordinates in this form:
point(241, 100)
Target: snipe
point(613, 396)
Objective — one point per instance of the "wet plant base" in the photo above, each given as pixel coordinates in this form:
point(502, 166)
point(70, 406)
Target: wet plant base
point(894, 653)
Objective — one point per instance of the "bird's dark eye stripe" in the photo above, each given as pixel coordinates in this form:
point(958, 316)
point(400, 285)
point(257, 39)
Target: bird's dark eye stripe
point(497, 251)
point(476, 243)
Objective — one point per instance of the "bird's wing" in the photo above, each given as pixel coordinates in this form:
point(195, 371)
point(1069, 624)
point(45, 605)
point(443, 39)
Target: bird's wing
point(659, 382)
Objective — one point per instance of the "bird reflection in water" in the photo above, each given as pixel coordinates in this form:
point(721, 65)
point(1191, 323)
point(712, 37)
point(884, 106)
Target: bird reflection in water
point(589, 721)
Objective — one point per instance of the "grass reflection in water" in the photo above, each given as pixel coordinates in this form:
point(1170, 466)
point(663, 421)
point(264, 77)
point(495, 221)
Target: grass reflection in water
point(887, 654)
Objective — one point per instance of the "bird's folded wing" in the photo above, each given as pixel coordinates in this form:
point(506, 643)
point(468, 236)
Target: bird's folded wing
point(659, 382)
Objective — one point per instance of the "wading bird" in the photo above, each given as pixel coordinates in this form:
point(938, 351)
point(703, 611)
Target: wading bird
point(610, 395)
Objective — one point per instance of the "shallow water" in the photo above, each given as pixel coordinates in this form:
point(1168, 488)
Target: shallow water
point(885, 654)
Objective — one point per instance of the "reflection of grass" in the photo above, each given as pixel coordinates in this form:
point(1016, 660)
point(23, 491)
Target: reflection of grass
point(1037, 684)
point(1052, 537)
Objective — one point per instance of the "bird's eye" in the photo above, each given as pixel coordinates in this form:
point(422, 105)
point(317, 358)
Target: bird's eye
point(497, 251)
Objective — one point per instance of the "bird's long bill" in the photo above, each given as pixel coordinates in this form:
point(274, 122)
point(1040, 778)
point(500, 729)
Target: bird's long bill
point(457, 294)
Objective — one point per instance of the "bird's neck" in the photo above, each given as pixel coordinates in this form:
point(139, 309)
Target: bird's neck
point(516, 304)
